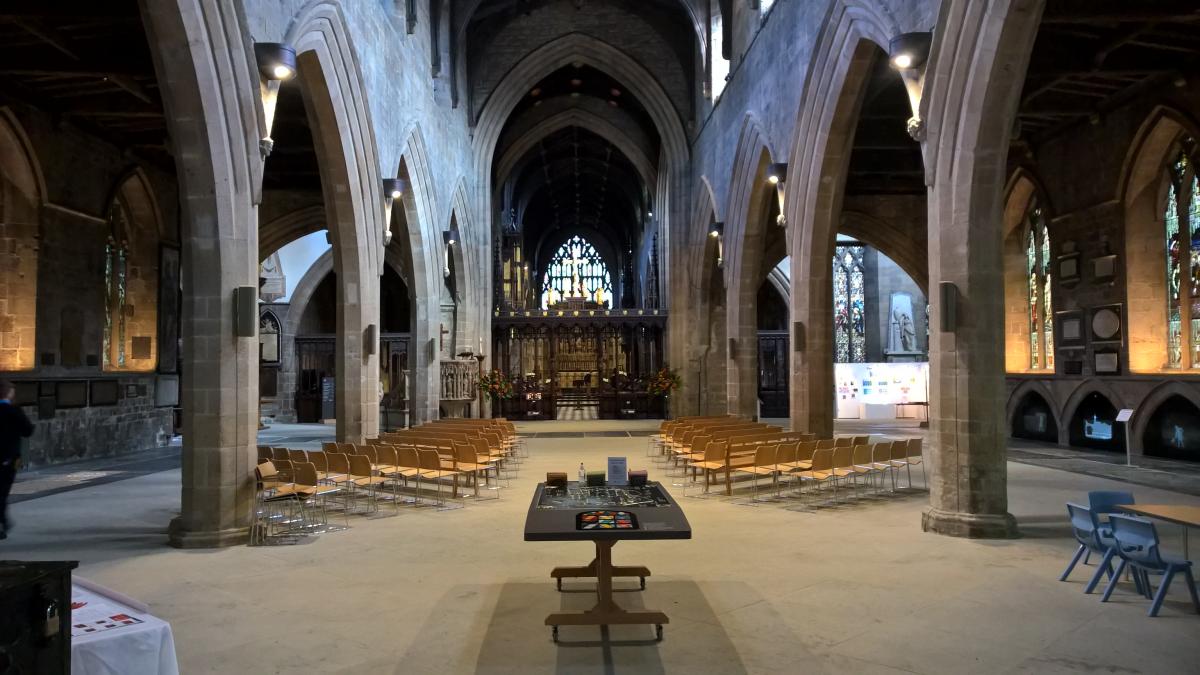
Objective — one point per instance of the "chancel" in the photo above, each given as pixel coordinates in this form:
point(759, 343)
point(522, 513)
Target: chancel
point(378, 302)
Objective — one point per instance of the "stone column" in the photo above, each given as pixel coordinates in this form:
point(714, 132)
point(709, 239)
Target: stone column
point(973, 84)
point(210, 98)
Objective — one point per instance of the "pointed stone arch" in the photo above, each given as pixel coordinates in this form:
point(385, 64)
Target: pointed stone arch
point(1149, 405)
point(1092, 385)
point(22, 193)
point(1142, 188)
point(132, 257)
point(1023, 187)
point(289, 227)
point(818, 163)
point(344, 139)
point(745, 234)
point(422, 241)
point(1034, 387)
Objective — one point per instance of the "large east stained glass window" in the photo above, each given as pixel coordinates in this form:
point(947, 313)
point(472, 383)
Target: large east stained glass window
point(1041, 305)
point(577, 271)
point(1181, 219)
point(849, 305)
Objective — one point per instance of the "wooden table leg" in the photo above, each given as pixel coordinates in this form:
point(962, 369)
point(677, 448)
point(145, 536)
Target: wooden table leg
point(606, 612)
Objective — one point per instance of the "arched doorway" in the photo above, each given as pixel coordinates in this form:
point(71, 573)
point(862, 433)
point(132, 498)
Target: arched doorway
point(1034, 419)
point(1173, 431)
point(1093, 425)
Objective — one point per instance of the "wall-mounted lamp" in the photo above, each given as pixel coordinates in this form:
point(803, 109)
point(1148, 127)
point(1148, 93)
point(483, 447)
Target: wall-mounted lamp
point(777, 173)
point(716, 229)
point(909, 50)
point(649, 214)
point(450, 237)
point(276, 61)
point(394, 187)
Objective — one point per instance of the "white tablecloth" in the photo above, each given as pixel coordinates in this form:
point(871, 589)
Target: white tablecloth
point(143, 648)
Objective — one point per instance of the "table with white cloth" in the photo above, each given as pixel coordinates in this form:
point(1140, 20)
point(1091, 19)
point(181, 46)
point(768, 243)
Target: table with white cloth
point(112, 634)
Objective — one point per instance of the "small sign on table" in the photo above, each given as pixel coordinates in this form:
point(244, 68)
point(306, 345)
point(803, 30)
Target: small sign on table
point(618, 471)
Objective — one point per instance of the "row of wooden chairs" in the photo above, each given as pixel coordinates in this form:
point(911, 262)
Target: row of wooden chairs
point(816, 463)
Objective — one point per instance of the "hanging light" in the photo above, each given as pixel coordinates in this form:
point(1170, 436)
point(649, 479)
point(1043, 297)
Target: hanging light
point(394, 187)
point(450, 237)
point(777, 173)
point(276, 61)
point(716, 229)
point(909, 50)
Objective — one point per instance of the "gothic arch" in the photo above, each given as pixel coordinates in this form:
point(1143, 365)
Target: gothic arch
point(892, 242)
point(1150, 403)
point(818, 162)
point(580, 48)
point(585, 120)
point(22, 191)
point(1022, 189)
point(289, 227)
point(137, 315)
point(423, 240)
point(304, 290)
point(344, 139)
point(1036, 387)
point(745, 235)
point(1091, 385)
point(1142, 190)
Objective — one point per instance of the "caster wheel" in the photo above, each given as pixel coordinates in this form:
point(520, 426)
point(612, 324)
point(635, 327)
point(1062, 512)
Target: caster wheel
point(554, 633)
point(657, 632)
point(643, 582)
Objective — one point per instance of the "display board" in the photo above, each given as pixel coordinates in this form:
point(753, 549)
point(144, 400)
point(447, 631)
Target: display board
point(859, 385)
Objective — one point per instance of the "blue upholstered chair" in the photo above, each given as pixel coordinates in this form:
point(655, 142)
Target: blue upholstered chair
point(1087, 533)
point(1137, 545)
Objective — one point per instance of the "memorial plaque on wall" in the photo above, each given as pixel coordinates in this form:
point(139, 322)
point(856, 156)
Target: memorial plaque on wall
point(169, 299)
point(104, 392)
point(73, 394)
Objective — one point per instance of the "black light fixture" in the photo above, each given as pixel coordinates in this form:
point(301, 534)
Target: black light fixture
point(777, 173)
point(394, 187)
point(716, 229)
point(450, 237)
point(276, 61)
point(909, 50)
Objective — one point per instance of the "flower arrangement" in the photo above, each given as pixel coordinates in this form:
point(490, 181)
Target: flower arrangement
point(663, 382)
point(496, 384)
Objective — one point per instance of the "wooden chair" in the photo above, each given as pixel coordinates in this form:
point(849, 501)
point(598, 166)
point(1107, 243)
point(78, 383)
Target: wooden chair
point(763, 464)
point(820, 471)
point(843, 464)
point(431, 469)
point(280, 453)
point(363, 479)
point(311, 491)
point(862, 463)
point(915, 456)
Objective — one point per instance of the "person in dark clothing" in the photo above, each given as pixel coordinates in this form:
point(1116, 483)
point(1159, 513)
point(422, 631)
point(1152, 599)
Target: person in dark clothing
point(13, 427)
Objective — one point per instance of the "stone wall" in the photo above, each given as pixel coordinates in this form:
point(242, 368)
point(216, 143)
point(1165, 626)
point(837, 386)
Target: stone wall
point(134, 423)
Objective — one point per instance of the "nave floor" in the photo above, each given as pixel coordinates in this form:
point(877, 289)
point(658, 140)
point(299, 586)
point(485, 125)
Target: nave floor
point(760, 589)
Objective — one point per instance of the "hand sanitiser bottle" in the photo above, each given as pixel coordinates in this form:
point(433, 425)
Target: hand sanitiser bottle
point(582, 475)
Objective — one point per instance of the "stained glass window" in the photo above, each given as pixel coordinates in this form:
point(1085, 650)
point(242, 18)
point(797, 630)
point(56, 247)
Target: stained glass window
point(849, 305)
point(115, 272)
point(1181, 219)
point(1038, 281)
point(577, 271)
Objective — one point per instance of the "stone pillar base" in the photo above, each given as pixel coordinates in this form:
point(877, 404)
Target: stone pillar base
point(180, 538)
point(970, 525)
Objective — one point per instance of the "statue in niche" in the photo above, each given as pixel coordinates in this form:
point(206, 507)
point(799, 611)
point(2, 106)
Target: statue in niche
point(903, 334)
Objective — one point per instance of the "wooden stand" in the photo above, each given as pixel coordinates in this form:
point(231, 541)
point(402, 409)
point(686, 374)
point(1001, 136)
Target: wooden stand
point(605, 612)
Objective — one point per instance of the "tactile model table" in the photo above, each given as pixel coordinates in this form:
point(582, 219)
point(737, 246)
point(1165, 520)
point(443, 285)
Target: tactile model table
point(604, 515)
